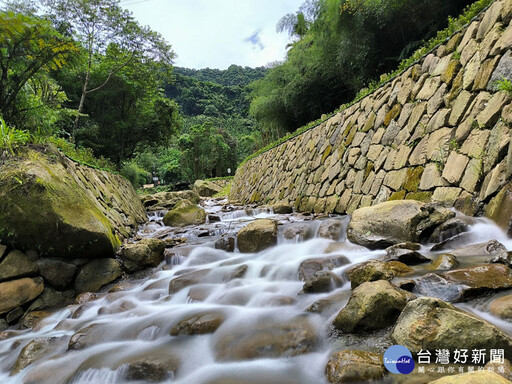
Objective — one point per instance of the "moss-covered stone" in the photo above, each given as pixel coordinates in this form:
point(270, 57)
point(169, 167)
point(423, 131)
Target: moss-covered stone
point(392, 114)
point(55, 206)
point(185, 213)
point(424, 197)
point(413, 179)
point(399, 195)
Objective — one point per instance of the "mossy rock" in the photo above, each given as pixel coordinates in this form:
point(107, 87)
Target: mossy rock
point(47, 204)
point(185, 213)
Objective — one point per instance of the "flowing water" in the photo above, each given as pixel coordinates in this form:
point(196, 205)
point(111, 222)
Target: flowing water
point(267, 334)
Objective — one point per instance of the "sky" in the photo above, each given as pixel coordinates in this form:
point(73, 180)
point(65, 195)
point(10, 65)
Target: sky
point(218, 33)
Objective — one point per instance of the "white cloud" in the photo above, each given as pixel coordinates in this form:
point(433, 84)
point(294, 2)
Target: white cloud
point(206, 33)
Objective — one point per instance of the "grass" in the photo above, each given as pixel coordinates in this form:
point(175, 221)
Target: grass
point(504, 85)
point(454, 26)
point(12, 139)
point(224, 192)
point(220, 178)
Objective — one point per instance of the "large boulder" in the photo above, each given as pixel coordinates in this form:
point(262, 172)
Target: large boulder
point(394, 222)
point(185, 213)
point(349, 366)
point(372, 306)
point(37, 349)
point(60, 208)
point(499, 208)
point(428, 323)
point(18, 292)
point(257, 236)
point(206, 188)
point(464, 283)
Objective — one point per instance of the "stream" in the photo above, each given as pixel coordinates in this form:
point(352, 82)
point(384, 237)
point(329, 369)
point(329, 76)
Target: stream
point(264, 329)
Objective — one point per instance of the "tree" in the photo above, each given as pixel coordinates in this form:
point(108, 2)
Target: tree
point(30, 49)
point(130, 110)
point(98, 24)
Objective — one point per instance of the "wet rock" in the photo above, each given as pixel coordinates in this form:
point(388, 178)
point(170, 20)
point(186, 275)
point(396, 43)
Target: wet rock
point(51, 298)
point(374, 305)
point(444, 262)
point(502, 258)
point(3, 326)
point(429, 323)
point(395, 222)
point(15, 265)
point(322, 281)
point(308, 267)
point(57, 273)
point(13, 316)
point(489, 248)
point(18, 292)
point(187, 279)
point(214, 218)
point(85, 297)
point(257, 236)
point(31, 319)
point(450, 228)
point(266, 338)
point(329, 305)
point(477, 377)
point(406, 285)
point(206, 188)
point(503, 369)
point(226, 243)
point(238, 273)
point(465, 283)
point(3, 250)
point(349, 366)
point(376, 270)
point(83, 338)
point(185, 213)
point(33, 351)
point(405, 253)
point(454, 242)
point(199, 324)
point(144, 254)
point(147, 370)
point(96, 274)
point(298, 231)
point(282, 208)
point(502, 307)
point(330, 229)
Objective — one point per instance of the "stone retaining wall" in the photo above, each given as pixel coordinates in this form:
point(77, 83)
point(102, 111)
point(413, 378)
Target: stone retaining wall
point(438, 132)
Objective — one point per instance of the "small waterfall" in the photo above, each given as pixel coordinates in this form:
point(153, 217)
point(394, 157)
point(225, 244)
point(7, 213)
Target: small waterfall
point(191, 316)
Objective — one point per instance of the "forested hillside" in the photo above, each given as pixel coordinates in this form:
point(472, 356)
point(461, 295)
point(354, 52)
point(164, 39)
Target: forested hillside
point(339, 47)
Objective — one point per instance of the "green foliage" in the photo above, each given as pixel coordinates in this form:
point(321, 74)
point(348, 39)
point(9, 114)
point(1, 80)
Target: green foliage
point(135, 174)
point(504, 85)
point(348, 43)
point(224, 192)
point(83, 156)
point(30, 49)
point(268, 103)
point(11, 137)
point(234, 76)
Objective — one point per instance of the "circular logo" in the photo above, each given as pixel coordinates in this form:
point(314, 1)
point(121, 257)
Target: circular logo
point(398, 360)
